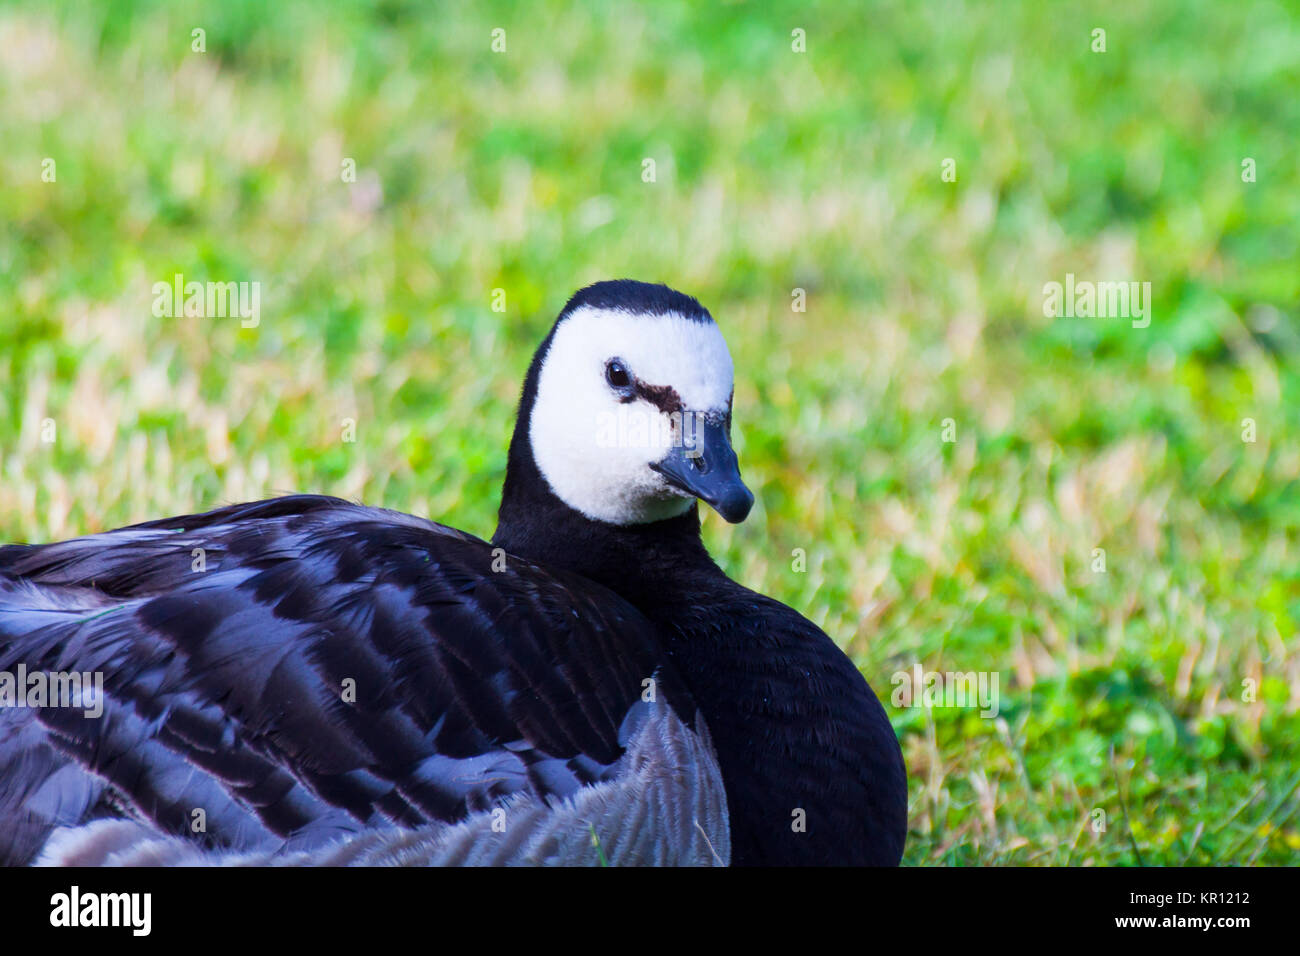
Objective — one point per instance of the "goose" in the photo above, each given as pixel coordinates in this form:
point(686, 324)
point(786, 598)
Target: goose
point(337, 684)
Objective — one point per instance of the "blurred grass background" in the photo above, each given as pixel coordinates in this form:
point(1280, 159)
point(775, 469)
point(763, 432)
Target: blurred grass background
point(776, 170)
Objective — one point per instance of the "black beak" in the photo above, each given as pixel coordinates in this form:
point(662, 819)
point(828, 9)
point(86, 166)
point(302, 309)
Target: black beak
point(705, 466)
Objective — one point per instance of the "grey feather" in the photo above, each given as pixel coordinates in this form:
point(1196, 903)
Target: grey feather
point(665, 807)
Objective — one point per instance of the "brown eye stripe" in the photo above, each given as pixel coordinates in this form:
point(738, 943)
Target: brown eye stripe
point(662, 397)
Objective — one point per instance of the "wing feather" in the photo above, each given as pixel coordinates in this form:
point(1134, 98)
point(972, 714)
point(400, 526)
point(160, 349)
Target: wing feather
point(333, 682)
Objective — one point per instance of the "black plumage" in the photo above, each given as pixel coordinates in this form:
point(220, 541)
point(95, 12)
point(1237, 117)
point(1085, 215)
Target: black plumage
point(571, 675)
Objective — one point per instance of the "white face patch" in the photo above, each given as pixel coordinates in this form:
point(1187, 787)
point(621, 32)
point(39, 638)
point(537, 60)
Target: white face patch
point(594, 450)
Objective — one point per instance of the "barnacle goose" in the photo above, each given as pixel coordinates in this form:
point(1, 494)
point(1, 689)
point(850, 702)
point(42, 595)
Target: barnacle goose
point(588, 687)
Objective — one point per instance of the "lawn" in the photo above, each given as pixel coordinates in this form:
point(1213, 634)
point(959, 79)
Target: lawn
point(942, 469)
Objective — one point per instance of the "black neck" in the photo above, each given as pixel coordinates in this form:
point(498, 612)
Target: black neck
point(639, 562)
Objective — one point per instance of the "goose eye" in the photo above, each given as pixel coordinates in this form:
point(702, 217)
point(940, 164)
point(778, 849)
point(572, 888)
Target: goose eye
point(617, 375)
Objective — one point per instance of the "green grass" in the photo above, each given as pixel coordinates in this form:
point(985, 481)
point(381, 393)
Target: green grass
point(775, 170)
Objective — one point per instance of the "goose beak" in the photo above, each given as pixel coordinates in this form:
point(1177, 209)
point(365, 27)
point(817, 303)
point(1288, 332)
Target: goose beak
point(705, 466)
